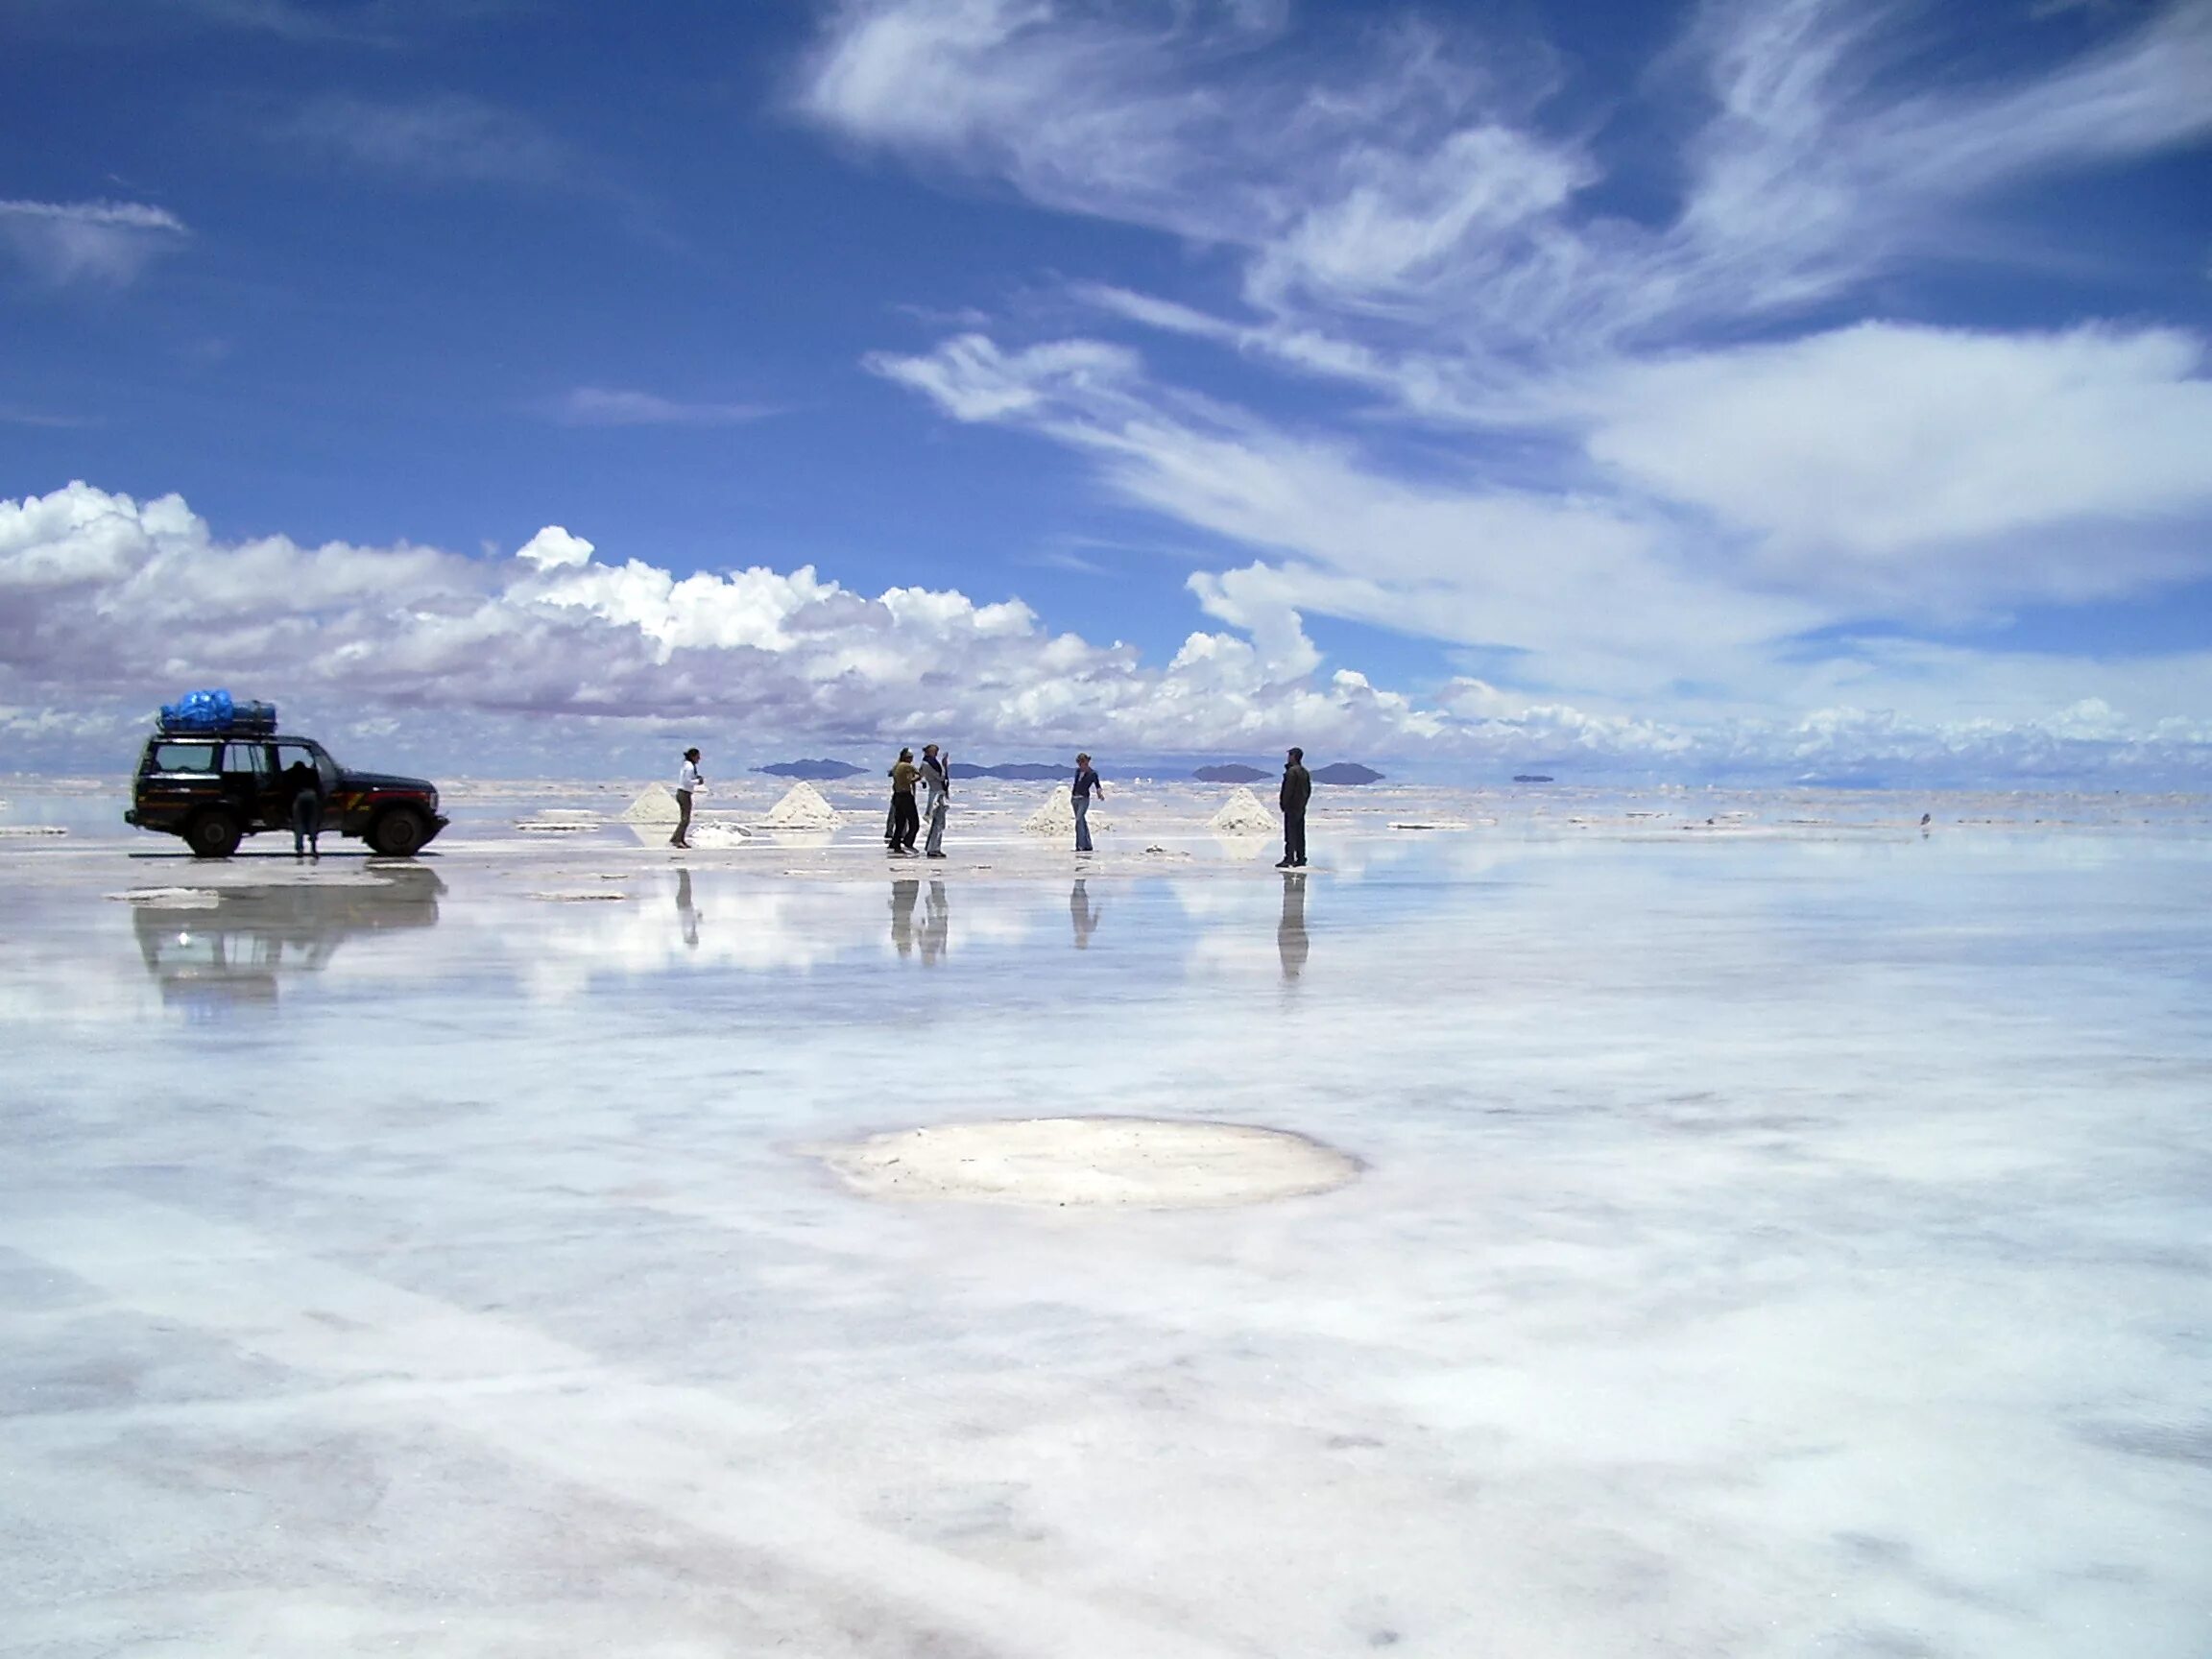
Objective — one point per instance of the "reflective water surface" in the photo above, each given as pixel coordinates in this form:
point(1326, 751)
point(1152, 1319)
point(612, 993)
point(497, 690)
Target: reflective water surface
point(1774, 1247)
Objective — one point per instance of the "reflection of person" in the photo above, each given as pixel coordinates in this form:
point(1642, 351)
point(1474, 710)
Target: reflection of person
point(1084, 918)
point(905, 822)
point(1085, 787)
point(306, 809)
point(685, 914)
point(1297, 789)
point(1290, 942)
point(937, 787)
point(904, 893)
point(690, 781)
point(936, 923)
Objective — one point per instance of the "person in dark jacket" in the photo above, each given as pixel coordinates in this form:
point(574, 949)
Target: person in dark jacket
point(905, 820)
point(1085, 787)
point(306, 809)
point(1297, 789)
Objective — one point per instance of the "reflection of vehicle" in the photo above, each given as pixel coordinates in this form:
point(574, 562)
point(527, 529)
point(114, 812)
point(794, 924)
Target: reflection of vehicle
point(212, 787)
point(235, 949)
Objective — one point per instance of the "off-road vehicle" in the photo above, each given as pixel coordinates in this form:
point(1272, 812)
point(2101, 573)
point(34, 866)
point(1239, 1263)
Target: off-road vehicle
point(213, 780)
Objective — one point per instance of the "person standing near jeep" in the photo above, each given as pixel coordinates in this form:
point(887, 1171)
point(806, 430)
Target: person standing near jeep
point(1297, 789)
point(306, 790)
point(688, 782)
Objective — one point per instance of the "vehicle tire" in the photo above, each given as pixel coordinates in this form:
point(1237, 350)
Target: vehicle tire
point(400, 832)
point(213, 834)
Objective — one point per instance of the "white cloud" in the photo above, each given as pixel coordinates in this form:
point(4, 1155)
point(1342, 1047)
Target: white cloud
point(602, 406)
point(114, 605)
point(108, 242)
point(1602, 498)
point(1898, 469)
point(1411, 176)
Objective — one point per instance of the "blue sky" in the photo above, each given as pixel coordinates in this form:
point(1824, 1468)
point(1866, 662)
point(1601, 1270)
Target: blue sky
point(1760, 389)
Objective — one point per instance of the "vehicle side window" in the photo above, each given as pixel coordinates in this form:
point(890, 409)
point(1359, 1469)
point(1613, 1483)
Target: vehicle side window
point(291, 755)
point(246, 757)
point(183, 757)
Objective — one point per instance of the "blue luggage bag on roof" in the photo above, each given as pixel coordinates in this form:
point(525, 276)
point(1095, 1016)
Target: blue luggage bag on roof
point(217, 712)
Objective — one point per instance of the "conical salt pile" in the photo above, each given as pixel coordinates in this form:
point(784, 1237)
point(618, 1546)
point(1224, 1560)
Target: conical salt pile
point(1057, 815)
point(1244, 815)
point(656, 805)
point(802, 807)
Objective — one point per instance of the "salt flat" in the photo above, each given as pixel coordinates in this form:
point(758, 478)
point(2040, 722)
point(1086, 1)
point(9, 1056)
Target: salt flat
point(1782, 1235)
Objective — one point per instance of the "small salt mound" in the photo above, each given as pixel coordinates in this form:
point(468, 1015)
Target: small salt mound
point(1111, 1163)
point(802, 808)
point(1057, 816)
point(719, 835)
point(1244, 815)
point(656, 806)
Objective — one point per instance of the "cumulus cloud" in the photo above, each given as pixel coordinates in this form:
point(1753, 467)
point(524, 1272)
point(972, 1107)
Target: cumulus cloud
point(112, 604)
point(102, 242)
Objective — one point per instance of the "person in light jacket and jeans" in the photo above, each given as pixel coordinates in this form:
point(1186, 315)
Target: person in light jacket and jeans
point(690, 781)
point(937, 792)
point(1085, 787)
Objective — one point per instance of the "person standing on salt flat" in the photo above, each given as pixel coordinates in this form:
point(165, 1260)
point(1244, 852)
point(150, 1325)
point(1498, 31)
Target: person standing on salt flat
point(306, 809)
point(905, 822)
point(937, 787)
point(1297, 789)
point(1085, 787)
point(690, 781)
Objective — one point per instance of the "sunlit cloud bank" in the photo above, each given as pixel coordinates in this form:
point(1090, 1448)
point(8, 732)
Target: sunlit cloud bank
point(558, 659)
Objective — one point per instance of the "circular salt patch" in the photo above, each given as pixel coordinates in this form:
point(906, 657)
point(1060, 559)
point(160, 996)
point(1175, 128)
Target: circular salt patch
point(1115, 1163)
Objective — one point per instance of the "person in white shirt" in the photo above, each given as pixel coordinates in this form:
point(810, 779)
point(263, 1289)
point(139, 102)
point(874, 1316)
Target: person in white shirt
point(937, 787)
point(688, 782)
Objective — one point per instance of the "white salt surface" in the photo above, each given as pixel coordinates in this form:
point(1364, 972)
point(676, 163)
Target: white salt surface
point(724, 836)
point(1782, 1248)
point(1113, 1162)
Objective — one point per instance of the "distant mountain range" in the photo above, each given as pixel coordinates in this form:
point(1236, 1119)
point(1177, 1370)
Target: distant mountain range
point(1023, 771)
point(1037, 771)
point(1341, 772)
point(815, 771)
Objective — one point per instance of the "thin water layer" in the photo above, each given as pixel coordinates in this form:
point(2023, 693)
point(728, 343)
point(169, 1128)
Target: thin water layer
point(1771, 1247)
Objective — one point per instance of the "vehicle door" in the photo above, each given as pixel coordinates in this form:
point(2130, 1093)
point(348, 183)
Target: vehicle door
point(250, 785)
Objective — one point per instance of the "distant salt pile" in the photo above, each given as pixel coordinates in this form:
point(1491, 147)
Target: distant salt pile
point(1244, 815)
point(802, 808)
point(1057, 816)
point(656, 806)
point(1091, 1162)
